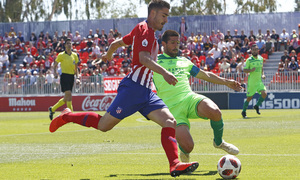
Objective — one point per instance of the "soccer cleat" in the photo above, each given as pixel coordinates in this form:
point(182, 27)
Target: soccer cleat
point(58, 121)
point(182, 168)
point(257, 109)
point(244, 114)
point(229, 148)
point(51, 113)
point(184, 157)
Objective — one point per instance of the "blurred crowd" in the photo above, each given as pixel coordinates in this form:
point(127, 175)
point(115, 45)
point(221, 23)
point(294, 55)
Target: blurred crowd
point(219, 52)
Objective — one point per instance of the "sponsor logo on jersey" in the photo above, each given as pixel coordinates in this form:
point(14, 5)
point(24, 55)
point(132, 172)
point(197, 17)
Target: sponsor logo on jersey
point(119, 110)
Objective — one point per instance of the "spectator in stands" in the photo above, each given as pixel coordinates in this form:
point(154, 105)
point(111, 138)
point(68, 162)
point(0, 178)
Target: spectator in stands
point(210, 61)
point(183, 40)
point(213, 38)
point(63, 35)
point(236, 35)
point(41, 49)
point(41, 42)
point(90, 34)
point(240, 65)
point(285, 56)
point(199, 48)
point(186, 52)
point(6, 82)
point(40, 82)
point(96, 39)
point(33, 39)
point(293, 66)
point(41, 35)
point(238, 45)
point(233, 68)
point(260, 34)
point(195, 59)
point(206, 43)
point(1, 67)
point(198, 37)
point(203, 66)
point(27, 59)
point(293, 54)
point(13, 38)
point(77, 37)
point(215, 51)
point(56, 35)
point(97, 80)
point(183, 26)
point(227, 36)
point(113, 69)
point(54, 43)
point(47, 38)
point(243, 36)
point(261, 44)
point(95, 51)
point(125, 63)
point(98, 33)
point(191, 45)
point(230, 42)
point(292, 34)
point(103, 34)
point(12, 54)
point(49, 79)
point(220, 35)
point(252, 35)
point(103, 42)
point(49, 49)
point(295, 44)
point(18, 47)
point(104, 70)
point(245, 46)
point(70, 35)
point(191, 37)
point(6, 37)
point(21, 37)
point(268, 34)
point(60, 46)
point(4, 59)
point(252, 42)
point(224, 67)
point(274, 39)
point(111, 38)
point(269, 46)
point(283, 39)
point(222, 45)
point(12, 30)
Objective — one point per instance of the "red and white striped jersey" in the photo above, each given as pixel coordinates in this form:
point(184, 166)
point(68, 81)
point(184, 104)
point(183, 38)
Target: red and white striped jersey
point(142, 38)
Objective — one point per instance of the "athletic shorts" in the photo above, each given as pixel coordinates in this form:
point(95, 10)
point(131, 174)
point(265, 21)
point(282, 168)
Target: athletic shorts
point(133, 97)
point(66, 82)
point(187, 109)
point(254, 87)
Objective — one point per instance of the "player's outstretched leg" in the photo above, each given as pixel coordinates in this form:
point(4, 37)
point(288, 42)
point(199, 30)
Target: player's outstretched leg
point(229, 148)
point(58, 121)
point(182, 168)
point(87, 119)
point(256, 107)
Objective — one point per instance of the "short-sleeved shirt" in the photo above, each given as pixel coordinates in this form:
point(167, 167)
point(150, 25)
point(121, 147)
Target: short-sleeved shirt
point(67, 62)
point(181, 68)
point(142, 38)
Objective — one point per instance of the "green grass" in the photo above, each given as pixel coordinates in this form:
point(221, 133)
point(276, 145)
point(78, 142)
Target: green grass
point(269, 148)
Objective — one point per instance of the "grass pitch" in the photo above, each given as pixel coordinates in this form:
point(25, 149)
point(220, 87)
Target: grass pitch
point(269, 148)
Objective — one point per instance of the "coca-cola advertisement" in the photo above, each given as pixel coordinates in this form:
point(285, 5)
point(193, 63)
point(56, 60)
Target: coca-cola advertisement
point(42, 103)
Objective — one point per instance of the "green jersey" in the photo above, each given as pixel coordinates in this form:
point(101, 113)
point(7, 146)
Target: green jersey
point(257, 64)
point(182, 69)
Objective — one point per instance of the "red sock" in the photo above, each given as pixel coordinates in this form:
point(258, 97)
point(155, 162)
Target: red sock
point(88, 119)
point(169, 144)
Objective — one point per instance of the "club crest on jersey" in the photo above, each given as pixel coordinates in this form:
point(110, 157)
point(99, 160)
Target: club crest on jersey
point(119, 110)
point(145, 43)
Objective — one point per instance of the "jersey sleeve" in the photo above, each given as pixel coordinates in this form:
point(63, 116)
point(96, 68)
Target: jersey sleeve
point(58, 58)
point(146, 40)
point(76, 58)
point(127, 39)
point(247, 64)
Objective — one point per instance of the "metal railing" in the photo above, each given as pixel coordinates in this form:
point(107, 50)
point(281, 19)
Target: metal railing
point(279, 81)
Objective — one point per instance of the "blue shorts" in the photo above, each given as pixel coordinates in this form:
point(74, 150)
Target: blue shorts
point(133, 97)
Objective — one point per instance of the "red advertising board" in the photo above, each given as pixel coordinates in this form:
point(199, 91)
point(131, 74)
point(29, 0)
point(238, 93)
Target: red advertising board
point(42, 103)
point(111, 84)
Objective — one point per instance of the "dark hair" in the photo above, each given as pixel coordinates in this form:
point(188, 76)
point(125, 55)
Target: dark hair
point(254, 45)
point(68, 39)
point(157, 4)
point(167, 34)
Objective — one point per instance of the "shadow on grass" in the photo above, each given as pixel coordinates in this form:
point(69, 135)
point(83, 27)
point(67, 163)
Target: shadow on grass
point(191, 176)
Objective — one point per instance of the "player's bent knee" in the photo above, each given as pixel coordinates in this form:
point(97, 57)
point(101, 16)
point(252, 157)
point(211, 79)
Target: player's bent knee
point(171, 122)
point(215, 114)
point(104, 129)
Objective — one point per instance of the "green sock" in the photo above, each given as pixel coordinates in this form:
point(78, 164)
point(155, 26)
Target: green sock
point(69, 105)
point(182, 149)
point(246, 103)
point(217, 126)
point(58, 104)
point(260, 100)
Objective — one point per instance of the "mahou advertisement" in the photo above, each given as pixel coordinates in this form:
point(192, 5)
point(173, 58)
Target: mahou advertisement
point(42, 103)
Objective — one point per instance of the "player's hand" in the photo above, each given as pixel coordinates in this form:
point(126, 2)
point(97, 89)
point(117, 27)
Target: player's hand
point(234, 85)
point(263, 76)
point(107, 57)
point(170, 78)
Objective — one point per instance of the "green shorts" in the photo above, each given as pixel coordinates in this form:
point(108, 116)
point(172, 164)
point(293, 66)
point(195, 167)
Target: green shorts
point(254, 87)
point(187, 109)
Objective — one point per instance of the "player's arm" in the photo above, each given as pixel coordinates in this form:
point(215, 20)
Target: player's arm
point(147, 61)
point(55, 69)
point(262, 73)
point(213, 78)
point(112, 48)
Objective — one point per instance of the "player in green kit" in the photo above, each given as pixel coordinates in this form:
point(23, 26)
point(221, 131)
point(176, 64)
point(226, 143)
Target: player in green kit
point(183, 103)
point(254, 66)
